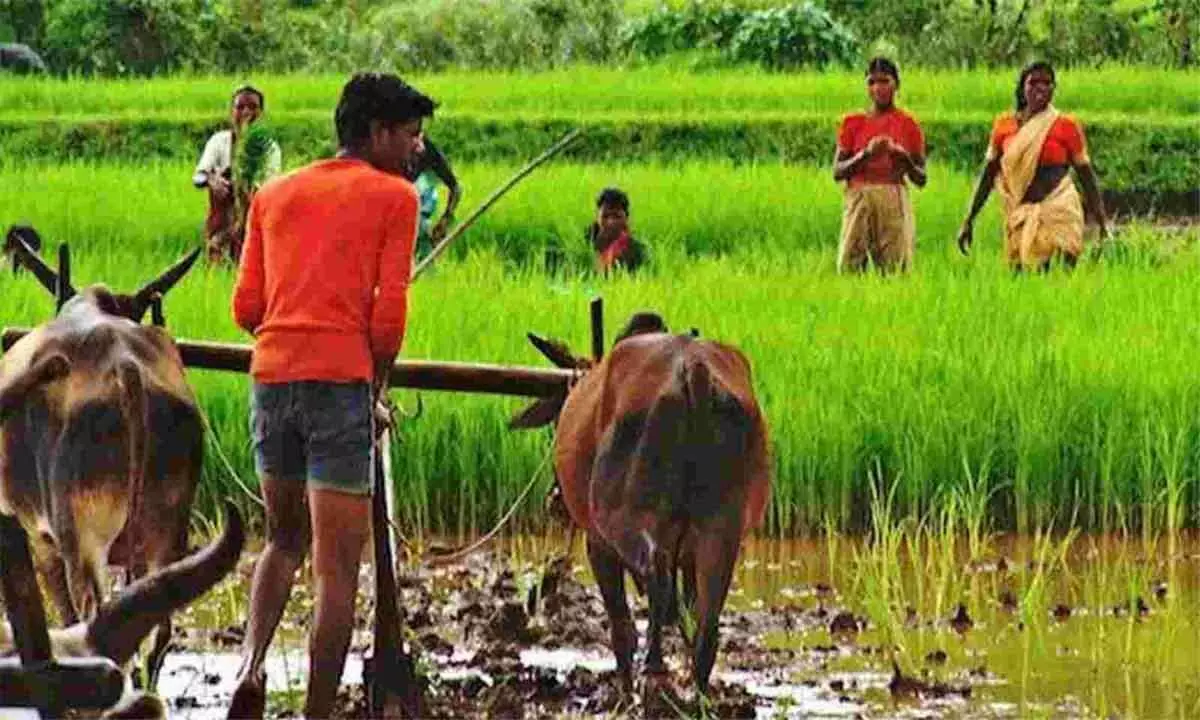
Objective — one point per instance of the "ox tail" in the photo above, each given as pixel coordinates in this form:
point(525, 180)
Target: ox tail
point(122, 623)
point(136, 419)
point(717, 487)
point(710, 413)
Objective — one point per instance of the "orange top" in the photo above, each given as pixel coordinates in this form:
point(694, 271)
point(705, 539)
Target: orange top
point(1064, 144)
point(323, 282)
point(859, 128)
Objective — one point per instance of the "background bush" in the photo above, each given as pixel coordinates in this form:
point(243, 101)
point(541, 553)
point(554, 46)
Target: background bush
point(793, 36)
point(788, 36)
point(142, 37)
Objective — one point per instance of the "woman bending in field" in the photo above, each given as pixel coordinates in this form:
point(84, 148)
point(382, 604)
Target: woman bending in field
point(876, 151)
point(1028, 159)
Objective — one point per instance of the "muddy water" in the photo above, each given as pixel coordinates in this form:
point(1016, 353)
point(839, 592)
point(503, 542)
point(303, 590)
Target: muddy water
point(1094, 626)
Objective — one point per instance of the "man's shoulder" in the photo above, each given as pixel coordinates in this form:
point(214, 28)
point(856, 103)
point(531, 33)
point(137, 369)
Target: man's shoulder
point(373, 185)
point(386, 188)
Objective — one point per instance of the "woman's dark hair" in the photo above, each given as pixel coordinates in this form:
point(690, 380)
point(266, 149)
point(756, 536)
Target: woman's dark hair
point(1025, 73)
point(249, 89)
point(613, 197)
point(881, 64)
point(382, 97)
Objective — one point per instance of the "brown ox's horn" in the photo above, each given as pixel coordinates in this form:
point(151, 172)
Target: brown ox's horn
point(40, 372)
point(160, 285)
point(22, 247)
point(122, 623)
point(556, 352)
point(62, 289)
point(542, 411)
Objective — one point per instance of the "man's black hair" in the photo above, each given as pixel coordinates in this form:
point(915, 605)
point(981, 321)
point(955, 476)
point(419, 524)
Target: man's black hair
point(262, 99)
point(382, 97)
point(881, 64)
point(1025, 73)
point(613, 197)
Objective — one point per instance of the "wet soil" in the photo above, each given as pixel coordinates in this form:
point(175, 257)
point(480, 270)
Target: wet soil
point(512, 633)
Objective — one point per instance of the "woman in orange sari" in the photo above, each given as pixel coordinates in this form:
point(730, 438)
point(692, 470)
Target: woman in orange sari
point(1029, 160)
point(876, 151)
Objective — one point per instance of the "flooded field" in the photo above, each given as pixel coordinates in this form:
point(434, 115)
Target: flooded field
point(910, 625)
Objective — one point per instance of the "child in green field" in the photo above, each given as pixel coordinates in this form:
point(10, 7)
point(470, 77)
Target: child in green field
point(610, 236)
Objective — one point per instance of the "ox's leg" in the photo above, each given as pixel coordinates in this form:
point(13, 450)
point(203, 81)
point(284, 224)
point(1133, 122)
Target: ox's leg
point(660, 587)
point(716, 554)
point(166, 543)
point(610, 577)
point(54, 574)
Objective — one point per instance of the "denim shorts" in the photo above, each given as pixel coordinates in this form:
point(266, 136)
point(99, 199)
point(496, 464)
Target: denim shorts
point(316, 432)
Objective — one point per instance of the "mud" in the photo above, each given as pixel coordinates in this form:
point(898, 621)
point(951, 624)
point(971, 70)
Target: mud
point(505, 634)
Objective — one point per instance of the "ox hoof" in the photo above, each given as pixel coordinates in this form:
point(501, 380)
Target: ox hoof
point(249, 700)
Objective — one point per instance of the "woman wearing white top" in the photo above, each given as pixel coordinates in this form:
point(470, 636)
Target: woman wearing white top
point(214, 172)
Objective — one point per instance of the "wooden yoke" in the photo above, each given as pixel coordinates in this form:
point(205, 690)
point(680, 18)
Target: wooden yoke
point(416, 374)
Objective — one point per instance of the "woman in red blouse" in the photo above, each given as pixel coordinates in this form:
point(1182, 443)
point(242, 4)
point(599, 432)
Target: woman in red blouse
point(877, 151)
point(1029, 159)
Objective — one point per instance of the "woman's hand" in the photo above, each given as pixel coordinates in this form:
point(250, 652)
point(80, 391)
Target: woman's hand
point(220, 187)
point(439, 231)
point(965, 237)
point(878, 144)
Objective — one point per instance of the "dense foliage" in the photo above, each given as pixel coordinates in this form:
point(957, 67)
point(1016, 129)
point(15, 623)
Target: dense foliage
point(139, 37)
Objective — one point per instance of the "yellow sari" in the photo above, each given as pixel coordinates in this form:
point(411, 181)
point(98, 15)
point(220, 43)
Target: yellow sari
point(1036, 232)
point(878, 228)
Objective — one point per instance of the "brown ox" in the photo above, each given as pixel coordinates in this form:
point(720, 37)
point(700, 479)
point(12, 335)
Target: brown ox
point(661, 456)
point(122, 623)
point(101, 441)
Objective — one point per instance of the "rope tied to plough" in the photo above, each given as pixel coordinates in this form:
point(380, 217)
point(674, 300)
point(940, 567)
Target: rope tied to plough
point(389, 423)
point(444, 557)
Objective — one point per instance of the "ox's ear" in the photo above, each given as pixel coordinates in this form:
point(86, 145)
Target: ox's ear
point(161, 284)
point(24, 242)
point(538, 413)
point(14, 391)
point(558, 353)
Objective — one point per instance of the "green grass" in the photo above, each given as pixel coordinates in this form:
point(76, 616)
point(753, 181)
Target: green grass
point(1067, 398)
point(680, 210)
point(1140, 123)
point(1117, 665)
point(585, 91)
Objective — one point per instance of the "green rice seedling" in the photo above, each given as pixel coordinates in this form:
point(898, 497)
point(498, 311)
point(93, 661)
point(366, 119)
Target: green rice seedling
point(1050, 390)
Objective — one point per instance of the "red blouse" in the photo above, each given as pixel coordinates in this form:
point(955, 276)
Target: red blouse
point(858, 129)
point(1064, 144)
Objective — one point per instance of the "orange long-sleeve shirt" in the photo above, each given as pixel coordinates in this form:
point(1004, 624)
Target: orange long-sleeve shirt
point(323, 279)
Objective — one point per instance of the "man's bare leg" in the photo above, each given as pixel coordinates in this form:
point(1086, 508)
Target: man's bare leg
point(341, 524)
point(274, 573)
